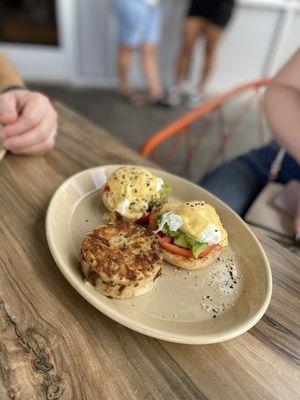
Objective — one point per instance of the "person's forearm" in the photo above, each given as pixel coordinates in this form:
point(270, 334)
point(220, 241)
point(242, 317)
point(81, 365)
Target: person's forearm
point(282, 106)
point(8, 75)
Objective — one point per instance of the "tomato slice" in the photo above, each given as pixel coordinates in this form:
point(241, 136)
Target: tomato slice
point(144, 218)
point(165, 239)
point(165, 243)
point(206, 251)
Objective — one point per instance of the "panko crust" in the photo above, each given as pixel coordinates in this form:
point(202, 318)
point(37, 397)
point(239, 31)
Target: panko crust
point(121, 256)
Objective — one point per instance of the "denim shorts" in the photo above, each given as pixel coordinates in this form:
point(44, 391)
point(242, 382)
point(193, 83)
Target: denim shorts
point(238, 181)
point(138, 22)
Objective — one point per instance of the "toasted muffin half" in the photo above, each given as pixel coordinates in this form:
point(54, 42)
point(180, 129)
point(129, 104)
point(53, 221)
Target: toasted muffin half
point(121, 259)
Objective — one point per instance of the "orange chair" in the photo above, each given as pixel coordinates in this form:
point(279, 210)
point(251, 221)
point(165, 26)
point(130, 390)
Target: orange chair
point(165, 146)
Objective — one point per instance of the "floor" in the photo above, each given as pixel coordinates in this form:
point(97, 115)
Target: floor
point(134, 125)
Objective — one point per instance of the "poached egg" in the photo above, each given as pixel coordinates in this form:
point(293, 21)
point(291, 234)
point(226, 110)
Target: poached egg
point(197, 219)
point(130, 190)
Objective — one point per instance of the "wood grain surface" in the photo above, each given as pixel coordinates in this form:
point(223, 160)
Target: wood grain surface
point(54, 345)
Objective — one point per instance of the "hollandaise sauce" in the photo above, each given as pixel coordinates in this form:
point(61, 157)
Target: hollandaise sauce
point(197, 220)
point(131, 189)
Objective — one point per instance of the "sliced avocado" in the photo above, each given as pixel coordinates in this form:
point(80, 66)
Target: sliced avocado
point(165, 192)
point(167, 230)
point(180, 241)
point(156, 202)
point(198, 247)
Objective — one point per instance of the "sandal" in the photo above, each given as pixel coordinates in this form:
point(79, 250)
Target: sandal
point(132, 98)
point(161, 102)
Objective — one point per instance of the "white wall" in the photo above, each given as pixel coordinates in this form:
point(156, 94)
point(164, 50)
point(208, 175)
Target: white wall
point(261, 36)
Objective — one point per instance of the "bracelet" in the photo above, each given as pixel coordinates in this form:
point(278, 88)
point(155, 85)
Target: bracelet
point(13, 87)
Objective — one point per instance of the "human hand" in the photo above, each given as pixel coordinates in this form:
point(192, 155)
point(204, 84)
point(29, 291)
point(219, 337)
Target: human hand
point(29, 122)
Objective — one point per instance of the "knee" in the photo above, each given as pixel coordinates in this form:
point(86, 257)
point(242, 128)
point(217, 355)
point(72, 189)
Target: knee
point(148, 49)
point(125, 51)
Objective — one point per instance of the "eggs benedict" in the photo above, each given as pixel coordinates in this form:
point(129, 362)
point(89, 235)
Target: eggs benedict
point(190, 234)
point(132, 192)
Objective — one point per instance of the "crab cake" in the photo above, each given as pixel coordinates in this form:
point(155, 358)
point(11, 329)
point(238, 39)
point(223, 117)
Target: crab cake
point(121, 259)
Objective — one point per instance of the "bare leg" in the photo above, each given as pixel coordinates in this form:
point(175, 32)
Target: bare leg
point(124, 61)
point(192, 29)
point(149, 61)
point(213, 35)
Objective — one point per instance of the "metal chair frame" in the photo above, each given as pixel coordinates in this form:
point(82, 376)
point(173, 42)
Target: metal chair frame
point(180, 129)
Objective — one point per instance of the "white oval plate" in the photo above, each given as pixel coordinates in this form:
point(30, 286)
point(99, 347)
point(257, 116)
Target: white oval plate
point(210, 305)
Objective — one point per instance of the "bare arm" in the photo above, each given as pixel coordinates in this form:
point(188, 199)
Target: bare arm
point(8, 75)
point(282, 106)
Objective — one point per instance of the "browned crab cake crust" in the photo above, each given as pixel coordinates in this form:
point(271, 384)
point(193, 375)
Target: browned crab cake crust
point(121, 259)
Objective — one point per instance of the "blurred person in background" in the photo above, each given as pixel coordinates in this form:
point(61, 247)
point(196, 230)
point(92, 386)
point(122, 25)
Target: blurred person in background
point(139, 24)
point(29, 122)
point(205, 19)
point(240, 180)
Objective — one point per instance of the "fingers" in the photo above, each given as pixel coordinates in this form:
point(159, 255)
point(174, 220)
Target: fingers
point(33, 108)
point(33, 130)
point(39, 134)
point(38, 149)
point(8, 109)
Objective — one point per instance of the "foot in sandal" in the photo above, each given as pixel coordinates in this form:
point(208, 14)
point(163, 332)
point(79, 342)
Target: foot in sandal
point(130, 96)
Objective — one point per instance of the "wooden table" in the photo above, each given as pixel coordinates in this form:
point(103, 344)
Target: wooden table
point(54, 345)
